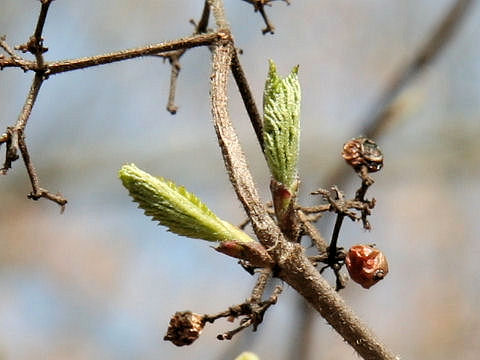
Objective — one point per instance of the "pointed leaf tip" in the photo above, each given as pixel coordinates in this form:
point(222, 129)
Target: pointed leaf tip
point(281, 131)
point(174, 207)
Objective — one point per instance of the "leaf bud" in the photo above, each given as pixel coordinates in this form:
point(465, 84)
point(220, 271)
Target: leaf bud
point(253, 252)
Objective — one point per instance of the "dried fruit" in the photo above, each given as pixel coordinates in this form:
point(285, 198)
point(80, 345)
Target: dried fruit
point(362, 151)
point(366, 265)
point(184, 328)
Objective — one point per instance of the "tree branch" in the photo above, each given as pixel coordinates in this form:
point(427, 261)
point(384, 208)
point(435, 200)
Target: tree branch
point(247, 97)
point(259, 5)
point(235, 161)
point(15, 136)
point(299, 273)
point(293, 266)
point(82, 63)
point(426, 54)
point(382, 111)
point(174, 58)
point(185, 43)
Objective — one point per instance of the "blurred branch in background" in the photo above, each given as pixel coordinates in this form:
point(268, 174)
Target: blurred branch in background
point(384, 111)
point(382, 114)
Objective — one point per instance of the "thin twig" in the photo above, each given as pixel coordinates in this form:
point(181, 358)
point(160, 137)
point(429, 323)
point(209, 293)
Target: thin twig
point(16, 134)
point(259, 5)
point(269, 28)
point(202, 25)
point(252, 309)
point(317, 238)
point(41, 19)
point(260, 285)
point(315, 209)
point(14, 59)
point(244, 224)
point(174, 58)
point(175, 70)
point(254, 312)
point(17, 62)
point(4, 45)
point(185, 43)
point(37, 192)
point(247, 97)
point(82, 63)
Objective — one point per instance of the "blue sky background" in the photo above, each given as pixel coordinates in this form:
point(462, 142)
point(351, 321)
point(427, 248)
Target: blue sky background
point(101, 281)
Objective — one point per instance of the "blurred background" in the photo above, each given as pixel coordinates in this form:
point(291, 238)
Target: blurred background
point(101, 280)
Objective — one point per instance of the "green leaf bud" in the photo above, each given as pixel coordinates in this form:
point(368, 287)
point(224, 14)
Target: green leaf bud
point(281, 126)
point(174, 207)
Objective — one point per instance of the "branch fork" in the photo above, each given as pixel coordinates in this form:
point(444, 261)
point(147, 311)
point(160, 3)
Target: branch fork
point(279, 255)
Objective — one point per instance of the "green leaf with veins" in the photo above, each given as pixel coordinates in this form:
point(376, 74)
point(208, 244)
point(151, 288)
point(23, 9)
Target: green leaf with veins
point(174, 207)
point(281, 124)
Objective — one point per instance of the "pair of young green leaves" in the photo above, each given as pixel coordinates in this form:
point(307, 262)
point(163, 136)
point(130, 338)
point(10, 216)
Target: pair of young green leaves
point(183, 213)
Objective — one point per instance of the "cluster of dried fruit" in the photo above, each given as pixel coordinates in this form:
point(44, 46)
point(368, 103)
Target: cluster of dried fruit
point(365, 264)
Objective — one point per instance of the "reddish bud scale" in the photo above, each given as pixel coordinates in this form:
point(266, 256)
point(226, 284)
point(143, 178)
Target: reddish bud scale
point(366, 265)
point(253, 252)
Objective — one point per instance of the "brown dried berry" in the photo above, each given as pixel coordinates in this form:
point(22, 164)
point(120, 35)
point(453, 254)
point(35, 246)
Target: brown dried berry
point(184, 328)
point(366, 265)
point(360, 152)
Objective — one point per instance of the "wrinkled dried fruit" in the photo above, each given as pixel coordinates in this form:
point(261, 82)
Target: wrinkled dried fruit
point(366, 265)
point(360, 152)
point(184, 328)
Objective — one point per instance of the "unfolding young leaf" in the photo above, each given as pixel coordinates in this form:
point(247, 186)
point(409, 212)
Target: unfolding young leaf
point(174, 207)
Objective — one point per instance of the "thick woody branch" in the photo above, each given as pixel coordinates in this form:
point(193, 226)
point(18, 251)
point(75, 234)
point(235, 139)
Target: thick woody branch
point(235, 161)
point(219, 14)
point(299, 273)
point(293, 266)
